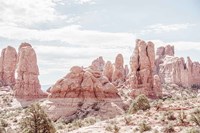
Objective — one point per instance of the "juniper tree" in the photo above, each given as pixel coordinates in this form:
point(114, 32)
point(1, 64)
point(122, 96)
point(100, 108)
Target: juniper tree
point(36, 121)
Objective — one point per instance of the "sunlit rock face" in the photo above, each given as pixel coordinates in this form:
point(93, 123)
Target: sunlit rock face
point(8, 62)
point(84, 83)
point(27, 82)
point(142, 64)
point(174, 70)
point(118, 76)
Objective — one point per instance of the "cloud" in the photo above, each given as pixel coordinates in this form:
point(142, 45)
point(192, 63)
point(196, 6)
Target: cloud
point(69, 34)
point(86, 1)
point(160, 28)
point(28, 12)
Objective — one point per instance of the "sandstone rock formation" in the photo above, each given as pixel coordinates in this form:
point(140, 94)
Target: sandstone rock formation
point(27, 82)
point(174, 70)
point(8, 62)
point(126, 71)
point(142, 64)
point(98, 64)
point(84, 83)
point(108, 70)
point(118, 76)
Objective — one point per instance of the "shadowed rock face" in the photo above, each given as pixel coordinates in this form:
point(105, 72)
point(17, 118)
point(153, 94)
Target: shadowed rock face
point(84, 83)
point(174, 70)
point(142, 64)
point(8, 62)
point(27, 82)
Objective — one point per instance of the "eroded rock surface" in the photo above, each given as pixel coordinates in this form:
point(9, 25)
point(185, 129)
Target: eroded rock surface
point(8, 62)
point(142, 64)
point(175, 70)
point(27, 82)
point(84, 83)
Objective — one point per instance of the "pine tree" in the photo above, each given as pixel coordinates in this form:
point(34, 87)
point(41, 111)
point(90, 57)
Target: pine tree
point(36, 121)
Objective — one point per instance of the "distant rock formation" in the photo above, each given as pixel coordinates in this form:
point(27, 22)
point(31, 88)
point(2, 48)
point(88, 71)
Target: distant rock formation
point(8, 62)
point(108, 70)
point(118, 76)
point(142, 63)
point(174, 70)
point(84, 83)
point(27, 82)
point(98, 64)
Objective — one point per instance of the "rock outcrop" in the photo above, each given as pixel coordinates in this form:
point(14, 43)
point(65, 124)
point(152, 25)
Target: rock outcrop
point(84, 83)
point(118, 76)
point(108, 70)
point(142, 64)
point(174, 70)
point(8, 62)
point(98, 64)
point(27, 82)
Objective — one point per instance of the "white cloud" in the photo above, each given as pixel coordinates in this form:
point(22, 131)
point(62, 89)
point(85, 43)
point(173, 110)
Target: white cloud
point(86, 1)
point(28, 12)
point(159, 28)
point(69, 34)
point(179, 45)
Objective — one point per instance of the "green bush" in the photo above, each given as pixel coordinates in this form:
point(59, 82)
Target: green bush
point(144, 127)
point(36, 121)
point(195, 117)
point(141, 102)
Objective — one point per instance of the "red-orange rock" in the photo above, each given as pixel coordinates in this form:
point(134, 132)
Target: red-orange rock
point(84, 83)
point(27, 82)
point(8, 62)
point(108, 70)
point(142, 64)
point(118, 76)
point(98, 64)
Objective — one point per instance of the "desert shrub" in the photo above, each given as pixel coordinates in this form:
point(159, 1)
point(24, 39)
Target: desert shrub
point(144, 127)
point(3, 123)
point(193, 130)
point(127, 120)
point(81, 123)
point(141, 102)
point(195, 116)
point(169, 129)
point(182, 117)
point(36, 121)
point(114, 129)
point(170, 116)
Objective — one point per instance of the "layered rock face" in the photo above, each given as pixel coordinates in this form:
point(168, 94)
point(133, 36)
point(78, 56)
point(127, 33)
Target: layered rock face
point(84, 83)
point(118, 76)
point(142, 64)
point(8, 62)
point(174, 70)
point(27, 82)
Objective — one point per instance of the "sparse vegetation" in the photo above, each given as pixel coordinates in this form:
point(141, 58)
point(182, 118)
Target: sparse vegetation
point(36, 121)
point(193, 130)
point(195, 116)
point(141, 102)
point(169, 129)
point(144, 127)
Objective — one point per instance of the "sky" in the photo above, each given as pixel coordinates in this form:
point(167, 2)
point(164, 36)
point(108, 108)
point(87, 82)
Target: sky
point(65, 33)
